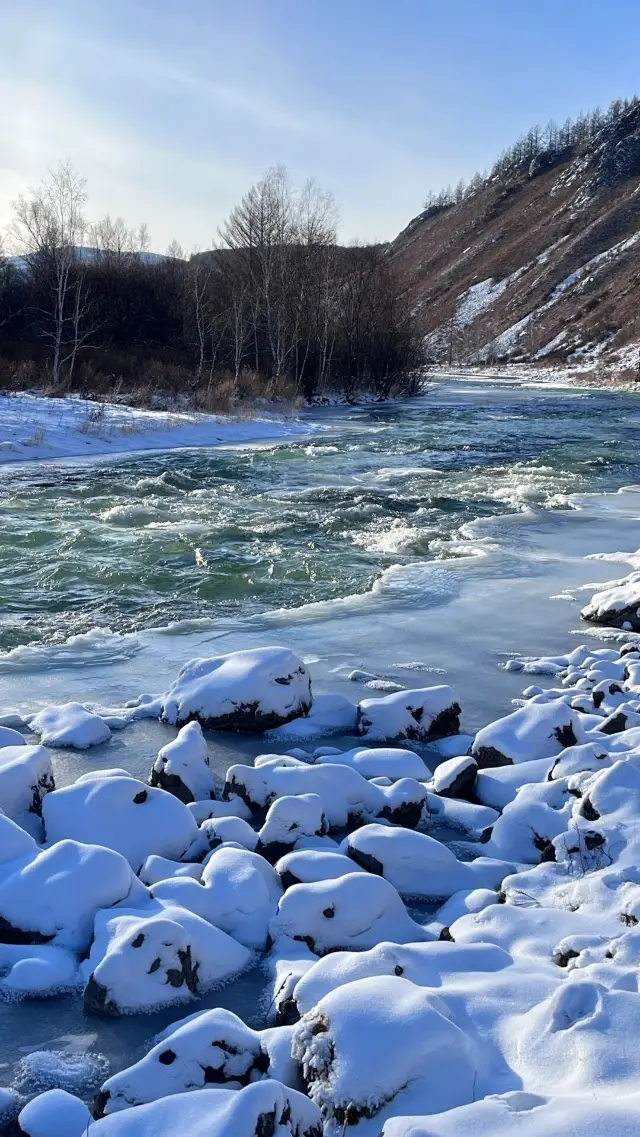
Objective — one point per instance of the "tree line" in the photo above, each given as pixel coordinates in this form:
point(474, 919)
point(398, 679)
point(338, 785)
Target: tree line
point(537, 145)
point(277, 306)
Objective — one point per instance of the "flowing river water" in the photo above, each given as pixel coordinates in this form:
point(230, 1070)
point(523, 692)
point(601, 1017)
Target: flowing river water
point(425, 542)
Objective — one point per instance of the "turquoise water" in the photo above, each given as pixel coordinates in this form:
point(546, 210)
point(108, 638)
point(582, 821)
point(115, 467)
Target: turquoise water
point(210, 534)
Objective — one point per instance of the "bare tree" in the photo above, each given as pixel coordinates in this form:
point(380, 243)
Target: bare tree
point(49, 228)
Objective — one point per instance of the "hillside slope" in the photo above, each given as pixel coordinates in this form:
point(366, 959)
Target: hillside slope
point(541, 262)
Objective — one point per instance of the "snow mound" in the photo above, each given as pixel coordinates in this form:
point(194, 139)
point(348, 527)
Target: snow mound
point(121, 813)
point(54, 896)
point(252, 690)
point(290, 819)
point(418, 865)
point(54, 1113)
point(70, 724)
point(211, 1047)
point(238, 893)
point(145, 960)
point(353, 911)
point(537, 730)
point(421, 715)
point(382, 1046)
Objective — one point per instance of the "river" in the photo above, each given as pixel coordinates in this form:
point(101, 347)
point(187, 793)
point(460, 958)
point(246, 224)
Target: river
point(418, 540)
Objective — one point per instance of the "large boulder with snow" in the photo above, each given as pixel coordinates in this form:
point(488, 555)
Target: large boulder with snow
point(253, 690)
point(383, 1046)
point(144, 959)
point(421, 716)
point(210, 1048)
point(536, 730)
point(54, 896)
point(257, 1110)
point(354, 911)
point(418, 865)
point(427, 964)
point(26, 775)
point(71, 725)
point(182, 766)
point(122, 813)
point(616, 606)
point(347, 797)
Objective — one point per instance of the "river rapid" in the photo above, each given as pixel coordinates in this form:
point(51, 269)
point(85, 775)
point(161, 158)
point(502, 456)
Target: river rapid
point(425, 542)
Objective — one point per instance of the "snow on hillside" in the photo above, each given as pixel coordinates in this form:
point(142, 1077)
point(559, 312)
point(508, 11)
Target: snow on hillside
point(36, 427)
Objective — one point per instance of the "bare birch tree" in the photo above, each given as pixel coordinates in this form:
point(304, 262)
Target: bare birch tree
point(49, 229)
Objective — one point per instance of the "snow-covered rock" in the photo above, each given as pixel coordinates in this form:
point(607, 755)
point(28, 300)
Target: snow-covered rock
point(209, 1048)
point(379, 1047)
point(353, 911)
point(238, 892)
point(121, 813)
point(182, 766)
point(417, 865)
point(455, 777)
point(244, 690)
point(496, 786)
point(54, 896)
point(221, 831)
point(537, 730)
point(8, 735)
point(142, 960)
point(616, 606)
point(289, 819)
point(55, 1113)
point(347, 797)
point(26, 775)
point(257, 1110)
point(71, 725)
point(421, 715)
point(426, 964)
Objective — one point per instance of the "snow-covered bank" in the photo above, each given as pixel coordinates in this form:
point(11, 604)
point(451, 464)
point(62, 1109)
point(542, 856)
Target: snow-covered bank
point(578, 376)
point(34, 427)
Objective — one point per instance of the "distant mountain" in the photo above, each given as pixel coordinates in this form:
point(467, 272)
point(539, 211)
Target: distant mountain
point(89, 253)
point(540, 260)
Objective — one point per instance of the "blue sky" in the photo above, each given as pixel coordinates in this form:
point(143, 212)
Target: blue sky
point(172, 108)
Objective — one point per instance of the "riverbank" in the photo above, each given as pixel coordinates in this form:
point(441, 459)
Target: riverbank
point(36, 428)
point(594, 378)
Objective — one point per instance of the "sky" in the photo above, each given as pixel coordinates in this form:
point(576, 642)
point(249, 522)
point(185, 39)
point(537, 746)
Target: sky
point(172, 109)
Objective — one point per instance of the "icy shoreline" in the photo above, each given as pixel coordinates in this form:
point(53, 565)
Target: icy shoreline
point(37, 428)
point(523, 983)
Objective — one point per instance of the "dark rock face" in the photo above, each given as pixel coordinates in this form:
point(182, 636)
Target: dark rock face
point(462, 785)
point(46, 784)
point(408, 813)
point(96, 999)
point(366, 861)
point(172, 784)
point(488, 758)
point(247, 718)
point(616, 618)
point(12, 935)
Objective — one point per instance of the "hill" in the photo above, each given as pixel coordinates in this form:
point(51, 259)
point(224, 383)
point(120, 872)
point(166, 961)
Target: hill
point(540, 260)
